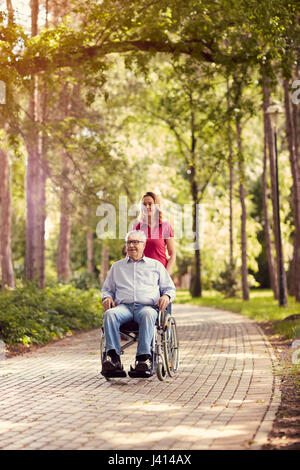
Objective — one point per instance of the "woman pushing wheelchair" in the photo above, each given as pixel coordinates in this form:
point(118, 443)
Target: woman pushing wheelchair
point(159, 232)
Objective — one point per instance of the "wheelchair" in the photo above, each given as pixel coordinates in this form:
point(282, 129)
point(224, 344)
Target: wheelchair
point(164, 346)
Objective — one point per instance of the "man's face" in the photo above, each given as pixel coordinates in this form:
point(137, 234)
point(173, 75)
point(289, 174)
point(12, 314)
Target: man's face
point(135, 246)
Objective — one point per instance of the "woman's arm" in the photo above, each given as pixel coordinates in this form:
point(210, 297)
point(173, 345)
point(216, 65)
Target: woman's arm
point(172, 254)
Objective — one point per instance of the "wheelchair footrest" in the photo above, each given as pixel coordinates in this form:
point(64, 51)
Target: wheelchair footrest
point(114, 374)
point(135, 374)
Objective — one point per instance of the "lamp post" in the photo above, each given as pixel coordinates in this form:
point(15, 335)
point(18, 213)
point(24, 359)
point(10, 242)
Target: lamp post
point(273, 111)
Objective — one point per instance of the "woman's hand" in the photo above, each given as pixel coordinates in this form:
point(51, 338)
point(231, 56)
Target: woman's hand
point(108, 303)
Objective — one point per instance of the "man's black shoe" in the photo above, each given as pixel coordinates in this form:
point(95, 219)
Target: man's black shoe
point(143, 369)
point(111, 368)
point(143, 366)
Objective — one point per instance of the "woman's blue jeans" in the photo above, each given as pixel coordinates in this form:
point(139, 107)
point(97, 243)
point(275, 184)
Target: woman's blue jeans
point(144, 315)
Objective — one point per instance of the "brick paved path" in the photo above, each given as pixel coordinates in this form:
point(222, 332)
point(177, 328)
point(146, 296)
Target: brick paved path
point(224, 395)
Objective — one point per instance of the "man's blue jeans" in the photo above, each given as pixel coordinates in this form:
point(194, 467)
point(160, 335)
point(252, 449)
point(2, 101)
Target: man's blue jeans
point(144, 315)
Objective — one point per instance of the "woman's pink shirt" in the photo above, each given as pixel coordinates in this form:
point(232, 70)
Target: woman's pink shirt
point(156, 240)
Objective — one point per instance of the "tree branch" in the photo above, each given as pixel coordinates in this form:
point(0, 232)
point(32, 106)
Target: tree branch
point(72, 58)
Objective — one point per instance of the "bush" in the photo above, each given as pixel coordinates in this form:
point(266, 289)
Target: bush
point(85, 280)
point(227, 283)
point(29, 315)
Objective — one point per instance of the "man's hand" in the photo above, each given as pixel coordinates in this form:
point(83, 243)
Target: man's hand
point(163, 302)
point(108, 303)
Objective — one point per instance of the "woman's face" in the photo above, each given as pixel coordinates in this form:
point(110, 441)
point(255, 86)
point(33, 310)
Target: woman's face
point(148, 206)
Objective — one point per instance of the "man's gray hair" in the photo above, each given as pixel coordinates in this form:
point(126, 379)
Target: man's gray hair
point(140, 233)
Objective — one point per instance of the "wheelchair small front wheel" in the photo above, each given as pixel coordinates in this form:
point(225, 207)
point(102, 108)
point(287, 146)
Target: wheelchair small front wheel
point(160, 369)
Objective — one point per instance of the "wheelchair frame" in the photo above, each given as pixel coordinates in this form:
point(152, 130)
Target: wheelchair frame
point(164, 347)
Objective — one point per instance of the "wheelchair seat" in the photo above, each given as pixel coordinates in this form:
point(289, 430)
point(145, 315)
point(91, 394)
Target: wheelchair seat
point(129, 327)
point(132, 327)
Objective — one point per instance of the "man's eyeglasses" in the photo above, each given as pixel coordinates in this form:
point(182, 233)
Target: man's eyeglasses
point(134, 242)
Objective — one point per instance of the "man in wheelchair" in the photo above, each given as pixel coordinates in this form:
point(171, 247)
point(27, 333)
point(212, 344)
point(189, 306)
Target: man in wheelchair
point(135, 289)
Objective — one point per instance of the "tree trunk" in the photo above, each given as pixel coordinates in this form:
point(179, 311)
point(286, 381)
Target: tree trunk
point(196, 284)
point(36, 212)
point(32, 193)
point(245, 286)
point(231, 180)
point(42, 194)
point(10, 11)
point(104, 263)
point(8, 279)
point(90, 251)
point(90, 254)
point(295, 280)
point(275, 209)
point(291, 132)
point(267, 230)
point(293, 264)
point(63, 252)
point(35, 178)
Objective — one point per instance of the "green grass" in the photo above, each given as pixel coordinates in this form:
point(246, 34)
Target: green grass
point(261, 308)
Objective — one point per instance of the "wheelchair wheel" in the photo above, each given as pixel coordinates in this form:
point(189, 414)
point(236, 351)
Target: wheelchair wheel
point(171, 346)
point(160, 369)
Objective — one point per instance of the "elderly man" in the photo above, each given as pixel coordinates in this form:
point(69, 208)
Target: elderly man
point(136, 288)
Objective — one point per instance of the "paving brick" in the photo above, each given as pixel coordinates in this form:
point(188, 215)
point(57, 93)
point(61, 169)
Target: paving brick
point(55, 398)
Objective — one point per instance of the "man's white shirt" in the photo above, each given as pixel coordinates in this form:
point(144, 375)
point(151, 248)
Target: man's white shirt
point(143, 282)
